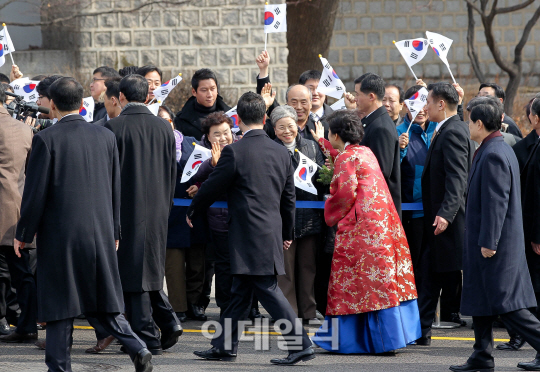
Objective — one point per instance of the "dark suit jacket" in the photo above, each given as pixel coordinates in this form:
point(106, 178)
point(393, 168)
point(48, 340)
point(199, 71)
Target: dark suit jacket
point(500, 284)
point(72, 201)
point(381, 137)
point(444, 190)
point(523, 148)
point(147, 152)
point(512, 126)
point(257, 175)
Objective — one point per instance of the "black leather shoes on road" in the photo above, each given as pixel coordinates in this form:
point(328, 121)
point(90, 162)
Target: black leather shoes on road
point(216, 354)
point(153, 351)
point(516, 342)
point(4, 327)
point(471, 368)
point(15, 337)
point(454, 318)
point(423, 341)
point(533, 365)
point(169, 339)
point(196, 312)
point(293, 358)
point(182, 317)
point(254, 313)
point(142, 361)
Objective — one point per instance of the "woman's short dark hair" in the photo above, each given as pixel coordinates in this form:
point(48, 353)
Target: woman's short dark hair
point(489, 114)
point(347, 125)
point(167, 110)
point(215, 118)
point(149, 68)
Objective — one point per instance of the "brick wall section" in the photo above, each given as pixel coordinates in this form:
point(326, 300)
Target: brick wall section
point(223, 35)
point(364, 31)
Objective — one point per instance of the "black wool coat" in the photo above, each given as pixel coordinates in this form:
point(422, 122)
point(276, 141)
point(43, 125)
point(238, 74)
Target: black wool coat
point(257, 175)
point(500, 284)
point(72, 201)
point(147, 152)
point(444, 190)
point(381, 137)
point(530, 197)
point(524, 148)
point(188, 120)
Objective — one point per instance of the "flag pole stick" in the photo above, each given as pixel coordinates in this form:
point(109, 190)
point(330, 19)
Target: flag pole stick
point(153, 99)
point(409, 127)
point(265, 40)
point(448, 71)
point(410, 68)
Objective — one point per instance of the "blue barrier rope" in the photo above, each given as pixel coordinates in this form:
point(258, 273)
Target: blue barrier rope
point(299, 204)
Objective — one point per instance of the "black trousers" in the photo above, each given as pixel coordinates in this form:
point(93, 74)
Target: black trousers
point(8, 298)
point(414, 230)
point(273, 300)
point(145, 310)
point(521, 321)
point(101, 333)
point(222, 268)
point(429, 285)
point(23, 280)
point(60, 339)
point(535, 311)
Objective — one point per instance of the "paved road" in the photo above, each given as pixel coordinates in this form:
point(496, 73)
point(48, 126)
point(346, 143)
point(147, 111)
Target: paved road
point(442, 353)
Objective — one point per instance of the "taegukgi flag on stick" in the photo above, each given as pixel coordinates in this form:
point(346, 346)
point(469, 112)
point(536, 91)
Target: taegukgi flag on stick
point(26, 88)
point(275, 18)
point(87, 109)
point(339, 105)
point(412, 51)
point(303, 173)
point(416, 103)
point(441, 46)
point(234, 116)
point(197, 157)
point(330, 83)
point(7, 44)
point(163, 91)
point(154, 107)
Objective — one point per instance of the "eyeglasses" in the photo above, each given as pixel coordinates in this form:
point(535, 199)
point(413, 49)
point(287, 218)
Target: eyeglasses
point(96, 79)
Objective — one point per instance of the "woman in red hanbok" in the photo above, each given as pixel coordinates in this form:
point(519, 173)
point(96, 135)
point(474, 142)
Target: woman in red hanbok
point(372, 295)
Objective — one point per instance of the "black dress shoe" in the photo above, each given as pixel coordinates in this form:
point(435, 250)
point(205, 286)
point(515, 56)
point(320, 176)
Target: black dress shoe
point(196, 312)
point(15, 337)
point(216, 354)
point(153, 351)
point(182, 317)
point(170, 338)
point(471, 368)
point(4, 327)
point(515, 343)
point(454, 318)
point(254, 313)
point(533, 365)
point(142, 361)
point(293, 358)
point(423, 341)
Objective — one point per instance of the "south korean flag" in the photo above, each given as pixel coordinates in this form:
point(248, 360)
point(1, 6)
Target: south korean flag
point(275, 18)
point(416, 103)
point(163, 91)
point(330, 84)
point(413, 51)
point(339, 105)
point(197, 157)
point(305, 170)
point(87, 109)
point(26, 88)
point(440, 45)
point(234, 116)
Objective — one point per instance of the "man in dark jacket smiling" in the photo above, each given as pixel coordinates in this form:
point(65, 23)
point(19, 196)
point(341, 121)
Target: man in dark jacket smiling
point(205, 100)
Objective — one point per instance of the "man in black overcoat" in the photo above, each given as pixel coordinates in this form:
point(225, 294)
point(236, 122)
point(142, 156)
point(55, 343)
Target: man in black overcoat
point(496, 281)
point(71, 200)
point(444, 186)
point(379, 131)
point(147, 152)
point(257, 175)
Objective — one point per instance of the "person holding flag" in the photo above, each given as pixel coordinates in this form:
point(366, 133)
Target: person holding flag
point(414, 138)
point(366, 313)
point(298, 283)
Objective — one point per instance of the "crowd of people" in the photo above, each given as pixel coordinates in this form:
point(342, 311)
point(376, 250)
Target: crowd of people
point(89, 229)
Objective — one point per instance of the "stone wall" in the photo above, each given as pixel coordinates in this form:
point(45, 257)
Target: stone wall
point(224, 35)
point(364, 31)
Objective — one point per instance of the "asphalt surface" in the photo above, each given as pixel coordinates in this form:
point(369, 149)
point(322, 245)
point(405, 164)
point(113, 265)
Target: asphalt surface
point(448, 347)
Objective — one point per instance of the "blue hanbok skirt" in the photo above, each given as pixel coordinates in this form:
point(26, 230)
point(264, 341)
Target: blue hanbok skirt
point(371, 333)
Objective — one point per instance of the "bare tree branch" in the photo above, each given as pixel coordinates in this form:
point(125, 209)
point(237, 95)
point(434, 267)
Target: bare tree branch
point(112, 11)
point(514, 8)
point(472, 5)
point(471, 49)
point(525, 36)
point(6, 4)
